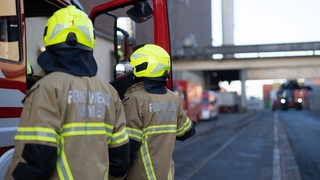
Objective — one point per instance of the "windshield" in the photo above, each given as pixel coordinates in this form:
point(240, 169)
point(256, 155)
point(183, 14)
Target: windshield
point(9, 31)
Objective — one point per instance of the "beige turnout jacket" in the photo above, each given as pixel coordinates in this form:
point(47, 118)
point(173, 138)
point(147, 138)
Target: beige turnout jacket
point(81, 116)
point(154, 120)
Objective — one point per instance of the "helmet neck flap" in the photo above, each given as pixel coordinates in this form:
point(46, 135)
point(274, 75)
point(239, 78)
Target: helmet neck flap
point(155, 86)
point(73, 61)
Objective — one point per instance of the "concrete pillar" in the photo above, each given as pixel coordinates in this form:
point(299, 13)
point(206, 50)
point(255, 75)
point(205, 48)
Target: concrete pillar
point(243, 78)
point(207, 81)
point(227, 22)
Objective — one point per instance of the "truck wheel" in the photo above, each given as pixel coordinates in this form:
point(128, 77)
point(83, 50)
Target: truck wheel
point(5, 161)
point(298, 107)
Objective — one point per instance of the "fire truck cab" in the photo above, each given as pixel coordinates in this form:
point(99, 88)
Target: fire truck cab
point(293, 95)
point(134, 22)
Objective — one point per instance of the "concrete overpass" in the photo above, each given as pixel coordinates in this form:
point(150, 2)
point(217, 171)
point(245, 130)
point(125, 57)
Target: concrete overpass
point(258, 68)
point(299, 60)
point(287, 67)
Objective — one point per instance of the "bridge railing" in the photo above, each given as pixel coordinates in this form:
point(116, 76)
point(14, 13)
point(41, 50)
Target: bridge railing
point(261, 50)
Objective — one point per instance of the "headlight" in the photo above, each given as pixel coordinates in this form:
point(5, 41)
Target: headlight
point(299, 100)
point(283, 101)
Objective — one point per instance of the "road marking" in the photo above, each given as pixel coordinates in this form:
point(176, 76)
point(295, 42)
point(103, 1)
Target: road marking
point(211, 128)
point(276, 150)
point(211, 156)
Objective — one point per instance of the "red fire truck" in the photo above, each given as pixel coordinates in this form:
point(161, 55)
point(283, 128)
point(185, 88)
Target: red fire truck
point(292, 95)
point(209, 105)
point(191, 95)
point(14, 39)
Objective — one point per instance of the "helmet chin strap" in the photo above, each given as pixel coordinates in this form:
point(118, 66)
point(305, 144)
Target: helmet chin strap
point(166, 75)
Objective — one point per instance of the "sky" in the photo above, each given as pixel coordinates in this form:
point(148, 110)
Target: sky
point(271, 21)
point(267, 22)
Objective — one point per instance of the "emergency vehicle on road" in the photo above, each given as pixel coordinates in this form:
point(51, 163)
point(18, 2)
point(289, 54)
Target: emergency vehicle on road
point(292, 95)
point(209, 105)
point(190, 93)
point(14, 15)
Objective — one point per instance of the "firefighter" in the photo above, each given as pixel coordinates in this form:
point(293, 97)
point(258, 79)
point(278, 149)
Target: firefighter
point(155, 116)
point(73, 123)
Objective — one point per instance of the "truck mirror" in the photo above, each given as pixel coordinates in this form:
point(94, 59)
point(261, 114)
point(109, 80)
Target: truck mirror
point(125, 35)
point(122, 69)
point(122, 45)
point(140, 12)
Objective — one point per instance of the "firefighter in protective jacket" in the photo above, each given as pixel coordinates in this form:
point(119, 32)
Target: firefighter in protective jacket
point(73, 123)
point(155, 116)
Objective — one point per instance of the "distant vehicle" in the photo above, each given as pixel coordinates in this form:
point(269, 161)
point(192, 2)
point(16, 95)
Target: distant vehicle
point(209, 105)
point(228, 102)
point(191, 95)
point(292, 95)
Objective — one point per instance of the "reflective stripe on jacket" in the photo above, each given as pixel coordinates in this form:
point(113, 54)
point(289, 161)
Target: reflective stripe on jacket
point(81, 116)
point(154, 120)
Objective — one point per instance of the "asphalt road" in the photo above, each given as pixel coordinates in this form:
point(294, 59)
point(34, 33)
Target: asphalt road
point(303, 131)
point(256, 145)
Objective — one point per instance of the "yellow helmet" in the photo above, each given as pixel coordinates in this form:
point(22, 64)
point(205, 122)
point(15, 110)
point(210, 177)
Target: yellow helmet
point(69, 25)
point(150, 61)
